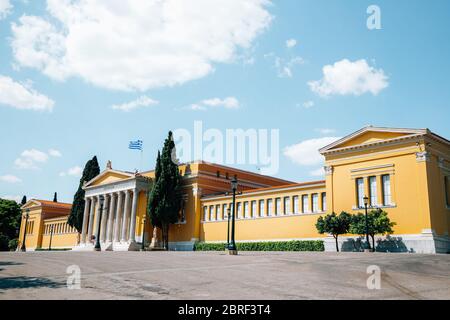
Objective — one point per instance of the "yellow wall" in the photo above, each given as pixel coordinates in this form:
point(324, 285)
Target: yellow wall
point(63, 235)
point(33, 239)
point(284, 224)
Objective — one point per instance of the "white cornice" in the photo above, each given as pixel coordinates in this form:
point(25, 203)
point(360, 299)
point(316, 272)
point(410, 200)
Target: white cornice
point(387, 142)
point(371, 129)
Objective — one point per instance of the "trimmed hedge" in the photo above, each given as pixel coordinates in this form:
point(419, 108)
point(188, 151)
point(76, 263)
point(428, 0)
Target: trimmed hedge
point(296, 245)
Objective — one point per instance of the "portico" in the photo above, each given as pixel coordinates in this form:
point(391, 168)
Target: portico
point(121, 191)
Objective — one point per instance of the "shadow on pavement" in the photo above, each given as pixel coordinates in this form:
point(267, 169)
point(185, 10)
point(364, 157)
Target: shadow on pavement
point(28, 282)
point(9, 263)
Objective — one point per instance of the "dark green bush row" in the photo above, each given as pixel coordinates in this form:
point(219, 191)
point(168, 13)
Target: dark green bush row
point(297, 245)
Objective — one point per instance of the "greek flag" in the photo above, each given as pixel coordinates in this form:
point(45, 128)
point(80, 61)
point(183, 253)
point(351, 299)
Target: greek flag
point(135, 145)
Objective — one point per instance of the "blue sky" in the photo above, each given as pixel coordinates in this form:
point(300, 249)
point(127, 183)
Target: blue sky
point(63, 67)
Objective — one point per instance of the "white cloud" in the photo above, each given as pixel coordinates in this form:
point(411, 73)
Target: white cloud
point(320, 172)
point(291, 43)
point(308, 104)
point(306, 153)
point(74, 171)
point(22, 96)
point(29, 159)
point(350, 78)
point(285, 68)
point(325, 130)
point(227, 103)
point(5, 8)
point(142, 101)
point(55, 153)
point(137, 45)
point(10, 179)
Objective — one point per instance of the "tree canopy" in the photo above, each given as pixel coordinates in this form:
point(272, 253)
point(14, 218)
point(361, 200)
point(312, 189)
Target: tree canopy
point(334, 224)
point(10, 217)
point(378, 222)
point(91, 170)
point(165, 197)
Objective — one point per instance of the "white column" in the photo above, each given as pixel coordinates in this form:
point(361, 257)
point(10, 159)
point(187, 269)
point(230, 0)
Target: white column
point(112, 208)
point(85, 220)
point(104, 219)
point(132, 235)
point(118, 216)
point(125, 216)
point(91, 220)
point(97, 219)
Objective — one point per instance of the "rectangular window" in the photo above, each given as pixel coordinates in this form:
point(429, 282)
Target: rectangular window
point(296, 204)
point(447, 190)
point(224, 211)
point(305, 204)
point(205, 213)
point(324, 202)
point(315, 202)
point(239, 210)
point(373, 191)
point(246, 212)
point(387, 199)
point(261, 208)
point(269, 207)
point(277, 206)
point(360, 192)
point(287, 205)
point(211, 208)
point(218, 212)
point(253, 209)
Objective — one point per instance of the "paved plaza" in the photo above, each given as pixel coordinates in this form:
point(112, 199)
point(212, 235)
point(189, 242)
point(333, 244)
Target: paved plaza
point(215, 275)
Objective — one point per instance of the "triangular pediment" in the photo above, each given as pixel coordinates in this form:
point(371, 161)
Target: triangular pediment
point(370, 135)
point(109, 176)
point(31, 203)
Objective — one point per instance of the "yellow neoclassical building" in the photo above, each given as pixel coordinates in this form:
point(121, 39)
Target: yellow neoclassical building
point(406, 172)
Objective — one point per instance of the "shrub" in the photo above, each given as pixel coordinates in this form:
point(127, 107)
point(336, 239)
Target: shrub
point(296, 245)
point(12, 244)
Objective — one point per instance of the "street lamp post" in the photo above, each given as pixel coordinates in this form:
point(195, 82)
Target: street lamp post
point(97, 240)
point(143, 235)
point(51, 236)
point(228, 227)
point(27, 215)
point(366, 203)
point(232, 250)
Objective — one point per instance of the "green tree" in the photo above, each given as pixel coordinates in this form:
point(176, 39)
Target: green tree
point(24, 200)
point(165, 195)
point(154, 196)
point(10, 216)
point(334, 224)
point(91, 170)
point(55, 197)
point(378, 222)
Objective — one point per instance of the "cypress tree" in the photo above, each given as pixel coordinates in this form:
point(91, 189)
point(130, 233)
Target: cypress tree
point(91, 170)
point(55, 197)
point(154, 198)
point(165, 197)
point(24, 200)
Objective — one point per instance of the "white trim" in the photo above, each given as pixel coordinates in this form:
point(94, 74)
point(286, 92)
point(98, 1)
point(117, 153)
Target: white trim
point(410, 132)
point(105, 172)
point(373, 168)
point(339, 161)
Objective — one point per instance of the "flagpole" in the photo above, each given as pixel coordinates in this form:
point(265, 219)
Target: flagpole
point(140, 165)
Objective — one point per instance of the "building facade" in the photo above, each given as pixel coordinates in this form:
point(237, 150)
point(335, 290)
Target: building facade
point(405, 172)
